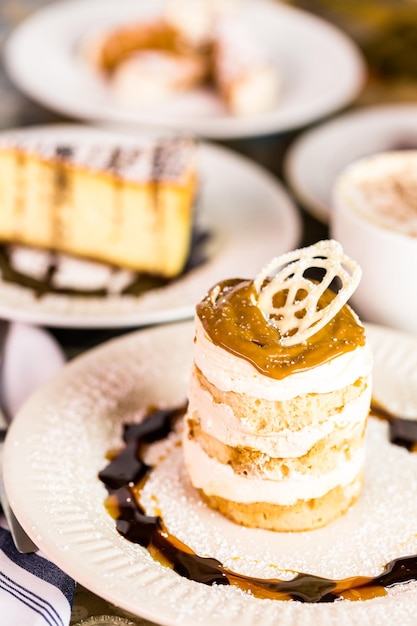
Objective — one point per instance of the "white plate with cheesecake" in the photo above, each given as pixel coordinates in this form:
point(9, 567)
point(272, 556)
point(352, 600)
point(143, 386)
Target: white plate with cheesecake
point(60, 500)
point(244, 211)
point(317, 156)
point(318, 69)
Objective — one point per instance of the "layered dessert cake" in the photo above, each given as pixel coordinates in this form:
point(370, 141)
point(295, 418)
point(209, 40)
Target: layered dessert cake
point(280, 393)
point(130, 206)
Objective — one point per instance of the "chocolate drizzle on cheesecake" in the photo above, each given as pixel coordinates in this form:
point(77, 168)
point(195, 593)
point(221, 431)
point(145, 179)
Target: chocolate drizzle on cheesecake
point(124, 478)
point(61, 190)
point(19, 182)
point(64, 152)
point(140, 284)
point(133, 163)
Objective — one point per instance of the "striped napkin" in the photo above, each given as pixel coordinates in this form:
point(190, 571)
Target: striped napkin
point(33, 591)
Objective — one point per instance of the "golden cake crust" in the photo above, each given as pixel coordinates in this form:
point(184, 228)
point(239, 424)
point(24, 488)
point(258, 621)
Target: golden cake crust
point(303, 515)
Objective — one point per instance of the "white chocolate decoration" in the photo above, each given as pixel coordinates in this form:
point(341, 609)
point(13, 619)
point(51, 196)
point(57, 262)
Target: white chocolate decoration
point(300, 313)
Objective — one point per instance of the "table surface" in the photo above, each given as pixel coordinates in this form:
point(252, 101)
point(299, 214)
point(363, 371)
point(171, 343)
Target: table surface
point(387, 34)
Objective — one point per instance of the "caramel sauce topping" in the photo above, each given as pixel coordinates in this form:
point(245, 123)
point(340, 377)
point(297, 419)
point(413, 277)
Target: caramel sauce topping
point(234, 322)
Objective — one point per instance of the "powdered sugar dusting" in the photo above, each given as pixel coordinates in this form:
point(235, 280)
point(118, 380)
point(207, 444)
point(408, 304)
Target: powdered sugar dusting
point(62, 436)
point(158, 160)
point(372, 533)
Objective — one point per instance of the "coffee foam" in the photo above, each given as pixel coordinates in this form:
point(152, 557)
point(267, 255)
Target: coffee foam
point(383, 189)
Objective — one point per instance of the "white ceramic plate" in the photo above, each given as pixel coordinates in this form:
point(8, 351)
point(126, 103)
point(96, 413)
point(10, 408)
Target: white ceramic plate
point(321, 68)
point(251, 219)
point(57, 445)
point(317, 157)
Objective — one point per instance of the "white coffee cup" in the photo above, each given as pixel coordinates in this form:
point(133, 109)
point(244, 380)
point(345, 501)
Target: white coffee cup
point(374, 217)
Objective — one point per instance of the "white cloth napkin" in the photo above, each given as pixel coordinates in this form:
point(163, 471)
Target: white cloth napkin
point(33, 590)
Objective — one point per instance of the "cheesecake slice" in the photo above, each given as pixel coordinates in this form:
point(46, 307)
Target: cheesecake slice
point(129, 206)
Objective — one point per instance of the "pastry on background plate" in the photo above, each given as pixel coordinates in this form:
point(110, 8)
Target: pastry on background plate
point(129, 206)
point(148, 77)
point(247, 81)
point(191, 45)
point(280, 393)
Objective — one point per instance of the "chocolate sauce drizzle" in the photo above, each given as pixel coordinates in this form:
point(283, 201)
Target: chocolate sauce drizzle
point(140, 284)
point(402, 432)
point(126, 473)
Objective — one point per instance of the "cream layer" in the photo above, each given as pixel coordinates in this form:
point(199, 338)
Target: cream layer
point(217, 479)
point(333, 454)
point(232, 373)
point(219, 421)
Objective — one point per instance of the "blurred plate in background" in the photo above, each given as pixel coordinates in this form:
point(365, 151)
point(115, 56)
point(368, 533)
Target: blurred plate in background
point(245, 210)
point(322, 69)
